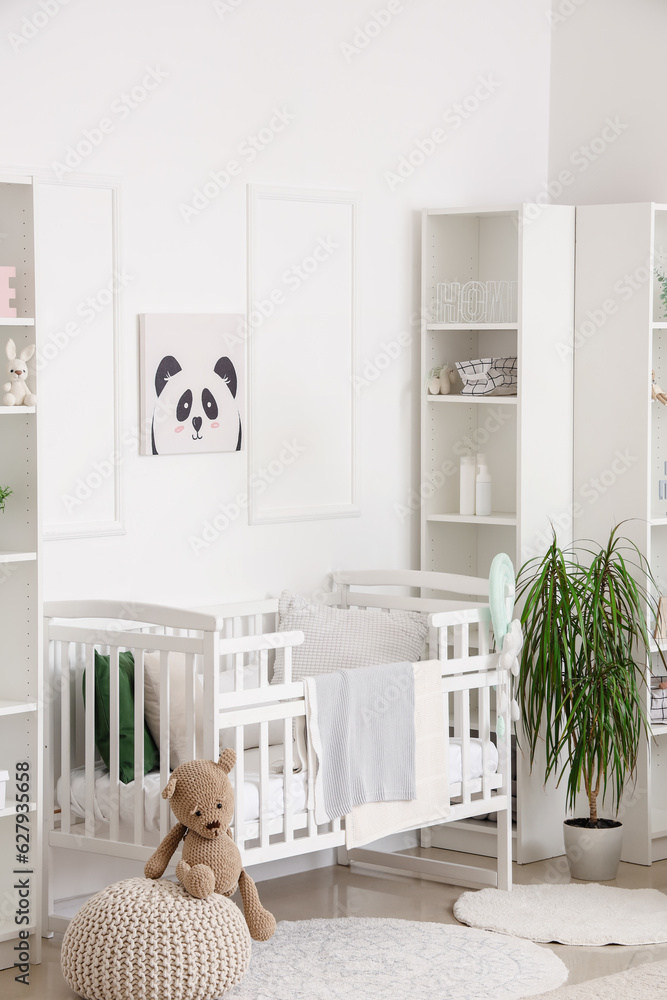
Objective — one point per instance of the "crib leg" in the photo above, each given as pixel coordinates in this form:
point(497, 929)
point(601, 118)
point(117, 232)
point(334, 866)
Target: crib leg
point(505, 849)
point(425, 838)
point(342, 856)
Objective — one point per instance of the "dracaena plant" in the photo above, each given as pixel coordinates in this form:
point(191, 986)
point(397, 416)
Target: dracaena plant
point(4, 493)
point(585, 617)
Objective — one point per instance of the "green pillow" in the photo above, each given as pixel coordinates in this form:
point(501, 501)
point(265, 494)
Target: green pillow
point(125, 717)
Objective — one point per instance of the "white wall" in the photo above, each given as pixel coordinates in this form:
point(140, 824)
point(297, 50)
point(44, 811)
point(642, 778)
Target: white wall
point(608, 62)
point(356, 113)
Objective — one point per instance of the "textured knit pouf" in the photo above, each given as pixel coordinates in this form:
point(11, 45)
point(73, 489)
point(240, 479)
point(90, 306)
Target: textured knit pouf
point(150, 940)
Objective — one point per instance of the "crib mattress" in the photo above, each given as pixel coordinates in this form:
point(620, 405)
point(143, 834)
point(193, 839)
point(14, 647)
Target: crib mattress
point(298, 784)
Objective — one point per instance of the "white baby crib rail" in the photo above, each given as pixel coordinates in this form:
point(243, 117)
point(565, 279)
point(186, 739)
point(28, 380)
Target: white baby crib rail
point(89, 809)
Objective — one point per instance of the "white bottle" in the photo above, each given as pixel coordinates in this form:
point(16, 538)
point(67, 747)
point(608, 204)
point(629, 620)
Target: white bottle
point(467, 488)
point(483, 491)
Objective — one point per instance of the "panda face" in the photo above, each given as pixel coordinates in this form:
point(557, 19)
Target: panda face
point(195, 411)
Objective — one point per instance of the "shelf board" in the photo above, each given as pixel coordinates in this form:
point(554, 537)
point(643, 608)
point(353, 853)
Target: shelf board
point(6, 410)
point(457, 397)
point(659, 729)
point(17, 321)
point(10, 707)
point(496, 517)
point(473, 326)
point(10, 557)
point(660, 326)
point(657, 522)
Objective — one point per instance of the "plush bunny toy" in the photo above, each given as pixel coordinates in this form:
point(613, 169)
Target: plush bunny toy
point(16, 391)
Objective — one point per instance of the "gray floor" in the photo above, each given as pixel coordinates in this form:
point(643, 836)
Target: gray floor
point(343, 892)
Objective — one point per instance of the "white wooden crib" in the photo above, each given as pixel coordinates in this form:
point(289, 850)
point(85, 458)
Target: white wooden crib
point(87, 808)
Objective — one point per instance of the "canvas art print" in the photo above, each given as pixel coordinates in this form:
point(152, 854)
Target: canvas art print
point(192, 383)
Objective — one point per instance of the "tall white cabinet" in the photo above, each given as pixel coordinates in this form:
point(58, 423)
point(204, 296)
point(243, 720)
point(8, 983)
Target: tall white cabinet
point(621, 442)
point(20, 614)
point(526, 438)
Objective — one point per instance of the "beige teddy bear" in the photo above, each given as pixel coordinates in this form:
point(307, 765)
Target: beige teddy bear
point(202, 799)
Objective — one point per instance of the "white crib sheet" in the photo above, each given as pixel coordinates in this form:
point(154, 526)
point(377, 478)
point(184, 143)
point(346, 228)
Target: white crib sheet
point(298, 787)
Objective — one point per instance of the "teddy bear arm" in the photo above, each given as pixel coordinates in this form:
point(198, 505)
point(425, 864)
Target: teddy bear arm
point(158, 861)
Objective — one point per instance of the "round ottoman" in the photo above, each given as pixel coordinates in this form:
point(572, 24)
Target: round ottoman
point(142, 939)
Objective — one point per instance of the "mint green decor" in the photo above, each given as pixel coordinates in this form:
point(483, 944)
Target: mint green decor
point(125, 717)
point(501, 587)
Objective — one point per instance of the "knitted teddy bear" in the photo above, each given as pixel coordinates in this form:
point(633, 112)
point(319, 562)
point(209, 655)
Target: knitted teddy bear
point(202, 799)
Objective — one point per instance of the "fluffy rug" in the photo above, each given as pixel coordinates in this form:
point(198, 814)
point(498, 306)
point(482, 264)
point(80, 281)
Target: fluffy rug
point(589, 914)
point(359, 958)
point(646, 982)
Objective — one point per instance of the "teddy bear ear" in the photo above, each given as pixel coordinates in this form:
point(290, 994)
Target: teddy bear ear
point(227, 760)
point(171, 787)
point(11, 350)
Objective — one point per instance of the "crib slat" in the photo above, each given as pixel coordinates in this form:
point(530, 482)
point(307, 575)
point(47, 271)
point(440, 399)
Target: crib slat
point(263, 668)
point(465, 745)
point(90, 741)
point(483, 631)
point(288, 781)
point(288, 665)
point(165, 702)
point(65, 736)
point(114, 750)
point(211, 667)
point(264, 800)
point(239, 790)
point(190, 706)
point(484, 708)
point(458, 702)
point(227, 660)
point(239, 668)
point(138, 655)
point(446, 724)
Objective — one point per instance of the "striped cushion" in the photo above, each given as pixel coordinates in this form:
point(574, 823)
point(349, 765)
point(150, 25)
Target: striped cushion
point(337, 638)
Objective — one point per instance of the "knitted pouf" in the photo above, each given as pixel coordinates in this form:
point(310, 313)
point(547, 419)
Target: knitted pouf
point(150, 940)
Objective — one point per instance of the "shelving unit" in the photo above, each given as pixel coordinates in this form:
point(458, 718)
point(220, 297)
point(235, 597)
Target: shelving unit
point(620, 459)
point(527, 438)
point(21, 734)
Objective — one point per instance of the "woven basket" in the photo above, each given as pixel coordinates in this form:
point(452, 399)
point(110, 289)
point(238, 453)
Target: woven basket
point(142, 940)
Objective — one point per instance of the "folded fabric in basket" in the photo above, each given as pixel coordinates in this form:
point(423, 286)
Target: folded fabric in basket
point(488, 376)
point(658, 699)
point(361, 737)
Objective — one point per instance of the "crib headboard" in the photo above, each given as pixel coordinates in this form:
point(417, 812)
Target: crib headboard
point(455, 592)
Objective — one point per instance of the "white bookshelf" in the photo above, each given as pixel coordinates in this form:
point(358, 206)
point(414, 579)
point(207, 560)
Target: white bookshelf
point(616, 245)
point(526, 438)
point(21, 736)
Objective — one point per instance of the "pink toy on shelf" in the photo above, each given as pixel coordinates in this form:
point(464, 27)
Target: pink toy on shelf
point(7, 311)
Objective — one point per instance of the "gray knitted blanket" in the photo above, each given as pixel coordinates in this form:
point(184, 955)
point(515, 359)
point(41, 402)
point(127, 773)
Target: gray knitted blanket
point(361, 737)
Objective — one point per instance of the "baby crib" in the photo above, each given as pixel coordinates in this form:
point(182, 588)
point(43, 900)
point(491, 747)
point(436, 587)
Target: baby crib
point(88, 809)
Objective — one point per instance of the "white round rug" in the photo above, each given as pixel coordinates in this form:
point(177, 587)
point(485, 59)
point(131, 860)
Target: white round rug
point(361, 958)
point(643, 982)
point(589, 914)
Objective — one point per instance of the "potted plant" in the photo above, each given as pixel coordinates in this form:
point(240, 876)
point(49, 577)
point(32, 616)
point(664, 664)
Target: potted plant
point(585, 621)
point(4, 493)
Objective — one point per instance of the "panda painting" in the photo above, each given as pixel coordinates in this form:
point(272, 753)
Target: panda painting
point(192, 387)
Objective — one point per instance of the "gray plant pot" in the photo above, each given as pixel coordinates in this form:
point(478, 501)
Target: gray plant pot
point(593, 855)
